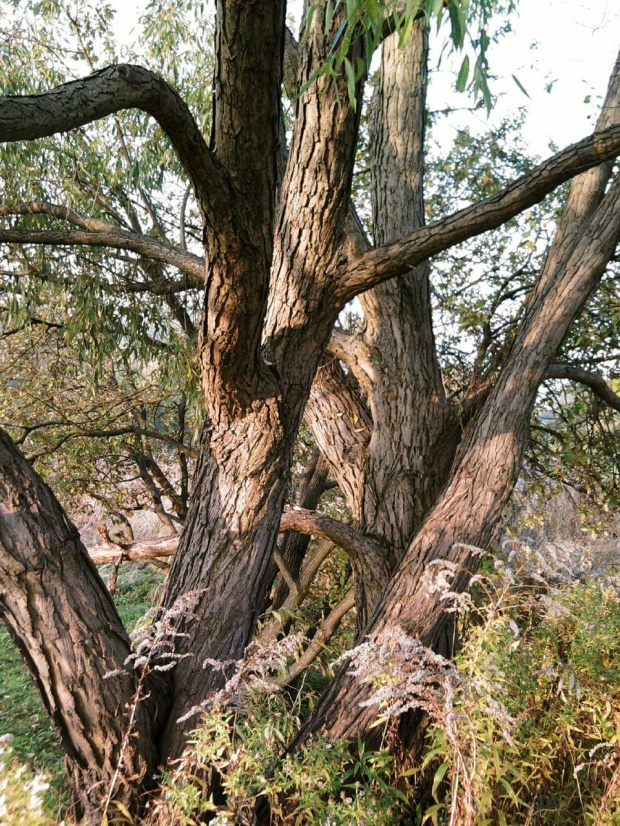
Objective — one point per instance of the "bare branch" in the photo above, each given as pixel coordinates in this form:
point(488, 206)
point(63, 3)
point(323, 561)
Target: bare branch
point(108, 91)
point(188, 263)
point(394, 259)
point(109, 552)
point(357, 545)
point(325, 630)
point(594, 381)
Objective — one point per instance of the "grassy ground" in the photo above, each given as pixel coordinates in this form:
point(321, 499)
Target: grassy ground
point(21, 712)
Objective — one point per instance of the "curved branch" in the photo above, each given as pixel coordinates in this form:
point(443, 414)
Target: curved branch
point(357, 545)
point(395, 259)
point(108, 91)
point(188, 263)
point(355, 353)
point(594, 381)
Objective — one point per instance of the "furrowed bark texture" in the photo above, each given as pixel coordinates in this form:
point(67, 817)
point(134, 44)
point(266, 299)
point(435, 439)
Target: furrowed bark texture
point(490, 458)
point(393, 475)
point(279, 267)
point(60, 615)
point(257, 377)
point(409, 456)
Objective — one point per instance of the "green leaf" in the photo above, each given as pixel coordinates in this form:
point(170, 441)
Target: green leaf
point(350, 73)
point(461, 81)
point(521, 86)
point(439, 776)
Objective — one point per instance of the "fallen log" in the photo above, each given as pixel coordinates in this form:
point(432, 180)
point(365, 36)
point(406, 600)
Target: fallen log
point(111, 552)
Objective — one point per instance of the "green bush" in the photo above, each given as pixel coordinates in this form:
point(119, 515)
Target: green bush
point(534, 733)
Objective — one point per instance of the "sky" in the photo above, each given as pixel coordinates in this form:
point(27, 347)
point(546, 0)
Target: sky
point(570, 44)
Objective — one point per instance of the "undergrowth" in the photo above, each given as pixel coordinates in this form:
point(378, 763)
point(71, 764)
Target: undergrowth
point(529, 736)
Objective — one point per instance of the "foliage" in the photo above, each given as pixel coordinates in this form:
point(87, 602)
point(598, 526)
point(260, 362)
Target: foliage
point(120, 170)
point(549, 659)
point(468, 24)
point(323, 783)
point(112, 441)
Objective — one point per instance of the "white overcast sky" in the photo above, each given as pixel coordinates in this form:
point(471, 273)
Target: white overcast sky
point(576, 45)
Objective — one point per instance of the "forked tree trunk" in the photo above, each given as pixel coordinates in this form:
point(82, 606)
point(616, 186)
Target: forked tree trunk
point(256, 388)
point(275, 284)
point(490, 458)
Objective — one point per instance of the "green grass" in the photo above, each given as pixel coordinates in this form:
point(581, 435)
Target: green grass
point(21, 710)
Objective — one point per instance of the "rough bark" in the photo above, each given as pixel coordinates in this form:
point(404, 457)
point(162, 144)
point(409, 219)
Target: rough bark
point(490, 458)
point(275, 282)
point(62, 619)
point(393, 260)
point(255, 394)
point(393, 477)
point(415, 430)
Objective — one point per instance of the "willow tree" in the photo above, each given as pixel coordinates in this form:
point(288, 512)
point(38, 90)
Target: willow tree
point(284, 254)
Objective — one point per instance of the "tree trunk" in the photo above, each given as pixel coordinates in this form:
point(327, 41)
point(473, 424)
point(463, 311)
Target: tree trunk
point(257, 376)
point(61, 617)
point(415, 431)
point(392, 461)
point(490, 458)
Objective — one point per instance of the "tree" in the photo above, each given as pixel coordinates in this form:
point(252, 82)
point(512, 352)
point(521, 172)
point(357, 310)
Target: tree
point(426, 478)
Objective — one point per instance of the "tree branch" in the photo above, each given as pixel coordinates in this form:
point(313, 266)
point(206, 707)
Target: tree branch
point(594, 381)
point(357, 545)
point(392, 260)
point(325, 630)
point(111, 90)
point(188, 263)
point(108, 434)
point(354, 352)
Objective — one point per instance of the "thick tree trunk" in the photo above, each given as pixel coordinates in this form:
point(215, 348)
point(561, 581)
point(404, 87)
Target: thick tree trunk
point(415, 430)
point(63, 620)
point(257, 376)
point(392, 461)
point(275, 283)
point(225, 550)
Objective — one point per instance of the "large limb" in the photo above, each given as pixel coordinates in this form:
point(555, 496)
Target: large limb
point(66, 627)
point(111, 90)
point(119, 239)
point(342, 429)
point(257, 376)
point(466, 513)
point(395, 259)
